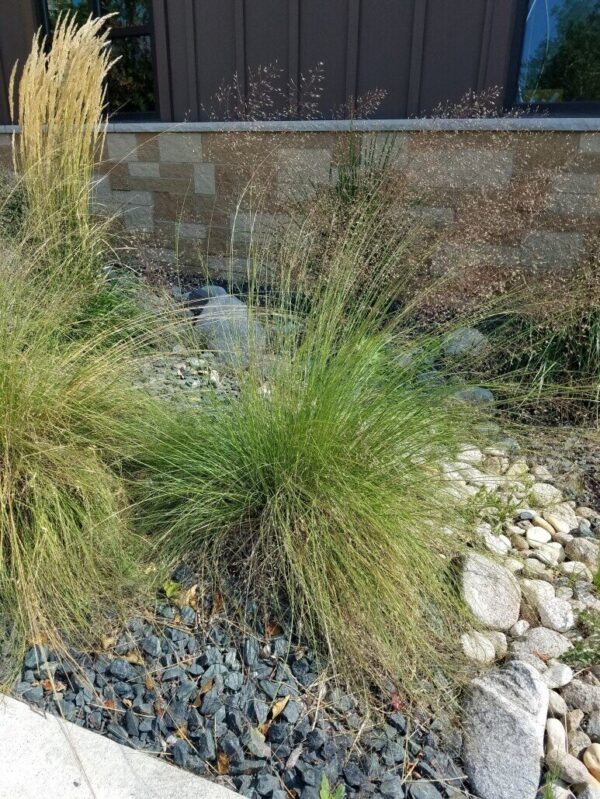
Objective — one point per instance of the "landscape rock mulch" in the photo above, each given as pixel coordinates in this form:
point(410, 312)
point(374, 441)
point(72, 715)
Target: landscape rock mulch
point(251, 711)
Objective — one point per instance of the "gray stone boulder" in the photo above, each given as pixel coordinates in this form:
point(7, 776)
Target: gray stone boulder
point(226, 325)
point(504, 720)
point(582, 695)
point(465, 341)
point(475, 395)
point(542, 643)
point(491, 592)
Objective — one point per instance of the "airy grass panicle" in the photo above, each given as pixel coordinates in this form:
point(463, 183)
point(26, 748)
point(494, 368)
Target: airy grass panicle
point(318, 491)
point(60, 100)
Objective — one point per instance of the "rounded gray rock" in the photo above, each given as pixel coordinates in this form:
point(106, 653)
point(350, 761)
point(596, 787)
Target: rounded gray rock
point(491, 592)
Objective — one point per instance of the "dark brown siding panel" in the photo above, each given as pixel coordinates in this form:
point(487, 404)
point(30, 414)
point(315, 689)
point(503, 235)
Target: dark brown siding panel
point(451, 51)
point(267, 42)
point(18, 23)
point(421, 52)
point(163, 60)
point(294, 50)
point(504, 21)
point(323, 38)
point(215, 49)
point(181, 48)
point(384, 52)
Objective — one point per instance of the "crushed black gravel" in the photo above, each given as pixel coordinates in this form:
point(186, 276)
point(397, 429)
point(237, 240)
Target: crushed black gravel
point(250, 710)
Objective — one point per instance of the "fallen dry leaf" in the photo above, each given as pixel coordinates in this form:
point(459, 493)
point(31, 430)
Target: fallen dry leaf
point(189, 597)
point(278, 707)
point(273, 629)
point(182, 731)
point(222, 763)
point(135, 659)
point(57, 686)
point(149, 682)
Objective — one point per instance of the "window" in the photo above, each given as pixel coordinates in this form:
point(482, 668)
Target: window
point(560, 57)
point(131, 82)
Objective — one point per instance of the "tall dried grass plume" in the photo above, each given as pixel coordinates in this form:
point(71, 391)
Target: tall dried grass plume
point(60, 99)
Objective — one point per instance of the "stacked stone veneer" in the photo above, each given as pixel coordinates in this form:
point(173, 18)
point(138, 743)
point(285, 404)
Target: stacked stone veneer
point(188, 191)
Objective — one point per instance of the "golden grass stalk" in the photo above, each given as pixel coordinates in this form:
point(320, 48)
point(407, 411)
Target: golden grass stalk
point(61, 98)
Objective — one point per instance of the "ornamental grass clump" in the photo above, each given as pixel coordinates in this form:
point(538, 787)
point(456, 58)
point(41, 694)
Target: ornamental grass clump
point(60, 100)
point(318, 491)
point(67, 553)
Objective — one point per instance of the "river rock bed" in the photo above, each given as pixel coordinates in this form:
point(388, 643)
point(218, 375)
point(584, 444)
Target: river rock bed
point(531, 717)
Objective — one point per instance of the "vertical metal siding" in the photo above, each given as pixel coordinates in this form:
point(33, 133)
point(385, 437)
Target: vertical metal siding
point(18, 23)
point(421, 52)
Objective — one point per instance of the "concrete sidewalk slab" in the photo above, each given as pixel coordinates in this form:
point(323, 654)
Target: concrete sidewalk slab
point(44, 757)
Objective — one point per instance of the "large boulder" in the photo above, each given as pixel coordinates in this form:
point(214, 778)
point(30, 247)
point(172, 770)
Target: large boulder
point(504, 720)
point(227, 325)
point(491, 592)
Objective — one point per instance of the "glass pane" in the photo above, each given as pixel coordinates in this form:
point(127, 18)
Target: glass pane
point(131, 80)
point(129, 12)
point(561, 52)
point(81, 9)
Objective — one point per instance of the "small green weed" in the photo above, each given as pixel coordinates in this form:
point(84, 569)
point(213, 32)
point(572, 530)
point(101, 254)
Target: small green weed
point(586, 652)
point(326, 792)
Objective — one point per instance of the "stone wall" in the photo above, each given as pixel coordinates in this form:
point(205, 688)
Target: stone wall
point(505, 197)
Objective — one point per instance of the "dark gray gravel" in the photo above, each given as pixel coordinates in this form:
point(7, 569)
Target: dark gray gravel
point(212, 699)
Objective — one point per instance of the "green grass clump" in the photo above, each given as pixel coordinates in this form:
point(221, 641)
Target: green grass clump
point(318, 490)
point(67, 553)
point(587, 651)
point(550, 353)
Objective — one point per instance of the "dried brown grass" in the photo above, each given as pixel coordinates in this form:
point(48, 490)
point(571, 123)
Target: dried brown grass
point(61, 99)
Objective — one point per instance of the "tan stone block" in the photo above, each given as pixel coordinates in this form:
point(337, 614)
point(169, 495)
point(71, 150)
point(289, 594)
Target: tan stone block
point(464, 168)
point(536, 151)
point(188, 207)
point(122, 146)
point(177, 171)
point(144, 169)
point(301, 171)
point(242, 147)
point(6, 159)
point(180, 147)
point(191, 230)
point(139, 218)
point(119, 177)
point(589, 143)
point(169, 185)
point(133, 198)
point(147, 146)
point(204, 178)
point(551, 249)
point(191, 253)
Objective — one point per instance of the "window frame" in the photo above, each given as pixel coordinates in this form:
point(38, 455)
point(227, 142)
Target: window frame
point(568, 108)
point(123, 32)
